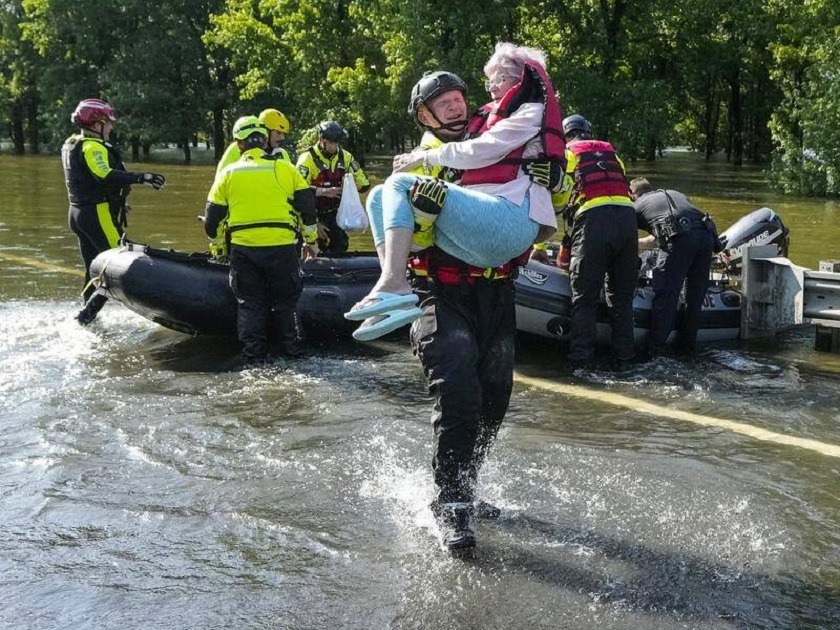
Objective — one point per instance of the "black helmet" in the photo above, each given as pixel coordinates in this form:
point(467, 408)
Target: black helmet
point(431, 85)
point(576, 126)
point(332, 131)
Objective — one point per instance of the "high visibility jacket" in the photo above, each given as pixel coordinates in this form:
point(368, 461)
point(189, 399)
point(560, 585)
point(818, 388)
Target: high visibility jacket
point(321, 171)
point(232, 154)
point(87, 162)
point(258, 192)
point(431, 141)
point(594, 177)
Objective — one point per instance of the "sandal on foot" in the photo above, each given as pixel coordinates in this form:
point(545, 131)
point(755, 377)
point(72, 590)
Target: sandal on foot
point(379, 303)
point(386, 322)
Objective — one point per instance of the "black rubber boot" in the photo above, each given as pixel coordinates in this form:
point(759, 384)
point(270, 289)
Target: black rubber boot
point(290, 335)
point(486, 511)
point(91, 309)
point(455, 522)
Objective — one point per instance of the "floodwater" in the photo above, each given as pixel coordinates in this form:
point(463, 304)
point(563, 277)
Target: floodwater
point(147, 483)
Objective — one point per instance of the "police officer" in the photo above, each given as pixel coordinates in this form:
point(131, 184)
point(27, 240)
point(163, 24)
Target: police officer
point(278, 128)
point(258, 196)
point(685, 235)
point(323, 166)
point(595, 200)
point(97, 186)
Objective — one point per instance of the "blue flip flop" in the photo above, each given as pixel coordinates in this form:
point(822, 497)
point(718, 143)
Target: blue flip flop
point(387, 322)
point(382, 303)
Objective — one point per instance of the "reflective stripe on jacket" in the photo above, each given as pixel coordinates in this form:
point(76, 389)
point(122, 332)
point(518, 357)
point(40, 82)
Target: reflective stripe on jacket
point(258, 192)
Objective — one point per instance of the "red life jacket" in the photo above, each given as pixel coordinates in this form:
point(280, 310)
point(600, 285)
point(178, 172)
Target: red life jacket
point(598, 172)
point(533, 87)
point(327, 178)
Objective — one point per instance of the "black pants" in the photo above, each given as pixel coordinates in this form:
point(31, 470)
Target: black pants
point(338, 242)
point(267, 285)
point(604, 243)
point(465, 340)
point(687, 260)
point(97, 231)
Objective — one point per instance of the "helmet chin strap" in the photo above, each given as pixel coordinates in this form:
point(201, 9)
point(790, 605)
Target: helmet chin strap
point(101, 132)
point(325, 152)
point(456, 126)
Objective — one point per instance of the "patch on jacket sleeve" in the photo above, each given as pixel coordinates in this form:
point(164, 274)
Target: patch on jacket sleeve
point(304, 171)
point(354, 165)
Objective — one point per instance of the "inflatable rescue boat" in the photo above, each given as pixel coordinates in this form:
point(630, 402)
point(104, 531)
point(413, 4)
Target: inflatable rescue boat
point(190, 293)
point(544, 294)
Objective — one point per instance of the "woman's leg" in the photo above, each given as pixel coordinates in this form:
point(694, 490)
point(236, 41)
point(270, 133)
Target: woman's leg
point(480, 229)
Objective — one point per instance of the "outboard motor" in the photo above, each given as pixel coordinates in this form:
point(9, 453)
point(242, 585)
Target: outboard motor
point(761, 227)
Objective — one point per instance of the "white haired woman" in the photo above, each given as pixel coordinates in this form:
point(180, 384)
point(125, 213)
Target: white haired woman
point(494, 215)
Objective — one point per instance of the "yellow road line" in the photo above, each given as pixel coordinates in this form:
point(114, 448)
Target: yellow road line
point(41, 264)
point(618, 400)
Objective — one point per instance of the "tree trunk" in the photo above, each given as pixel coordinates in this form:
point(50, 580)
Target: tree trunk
point(218, 131)
point(736, 120)
point(650, 149)
point(135, 148)
point(187, 151)
point(17, 128)
point(712, 117)
point(32, 127)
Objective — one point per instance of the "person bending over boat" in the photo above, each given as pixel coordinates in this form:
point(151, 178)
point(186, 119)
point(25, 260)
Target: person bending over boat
point(97, 187)
point(686, 237)
point(595, 202)
point(278, 127)
point(259, 196)
point(465, 333)
point(323, 166)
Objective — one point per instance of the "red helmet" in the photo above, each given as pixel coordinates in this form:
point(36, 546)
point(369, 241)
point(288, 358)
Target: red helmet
point(92, 110)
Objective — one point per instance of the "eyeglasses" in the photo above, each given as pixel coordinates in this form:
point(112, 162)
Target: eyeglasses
point(496, 81)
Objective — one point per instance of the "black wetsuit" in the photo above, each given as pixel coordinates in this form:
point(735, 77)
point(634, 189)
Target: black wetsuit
point(465, 340)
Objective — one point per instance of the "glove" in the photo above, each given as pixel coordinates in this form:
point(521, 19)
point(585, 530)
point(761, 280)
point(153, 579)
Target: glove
point(428, 196)
point(539, 172)
point(545, 173)
point(155, 180)
point(427, 199)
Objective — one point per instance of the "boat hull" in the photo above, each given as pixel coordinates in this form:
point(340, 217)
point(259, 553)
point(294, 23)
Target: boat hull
point(191, 293)
point(544, 306)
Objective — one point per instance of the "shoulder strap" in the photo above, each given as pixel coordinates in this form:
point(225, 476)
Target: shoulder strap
point(319, 163)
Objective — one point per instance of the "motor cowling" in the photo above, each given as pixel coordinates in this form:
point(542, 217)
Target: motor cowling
point(761, 227)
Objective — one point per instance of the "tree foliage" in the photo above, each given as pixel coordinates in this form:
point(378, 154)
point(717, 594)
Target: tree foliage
point(754, 81)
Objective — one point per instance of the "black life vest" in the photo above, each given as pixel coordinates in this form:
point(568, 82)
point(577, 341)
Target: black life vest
point(83, 188)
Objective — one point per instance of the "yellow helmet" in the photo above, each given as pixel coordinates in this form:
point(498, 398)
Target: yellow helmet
point(248, 125)
point(275, 120)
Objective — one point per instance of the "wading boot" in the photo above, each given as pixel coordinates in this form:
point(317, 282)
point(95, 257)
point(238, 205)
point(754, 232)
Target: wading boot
point(455, 522)
point(486, 511)
point(91, 309)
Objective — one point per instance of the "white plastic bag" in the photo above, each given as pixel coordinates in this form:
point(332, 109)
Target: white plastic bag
point(351, 215)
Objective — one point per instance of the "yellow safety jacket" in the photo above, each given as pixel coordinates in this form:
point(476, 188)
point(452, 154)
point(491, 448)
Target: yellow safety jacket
point(232, 154)
point(258, 192)
point(431, 141)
